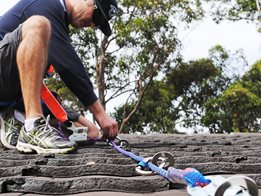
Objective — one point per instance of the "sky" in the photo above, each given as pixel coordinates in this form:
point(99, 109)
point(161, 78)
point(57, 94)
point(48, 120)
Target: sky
point(6, 4)
point(231, 35)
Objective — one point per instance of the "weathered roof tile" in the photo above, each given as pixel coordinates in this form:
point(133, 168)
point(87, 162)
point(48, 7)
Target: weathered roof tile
point(101, 168)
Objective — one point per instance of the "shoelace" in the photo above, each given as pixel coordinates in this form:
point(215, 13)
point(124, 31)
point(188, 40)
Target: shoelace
point(11, 123)
point(47, 130)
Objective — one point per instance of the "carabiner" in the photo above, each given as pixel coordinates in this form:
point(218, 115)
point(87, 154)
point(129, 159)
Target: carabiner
point(142, 165)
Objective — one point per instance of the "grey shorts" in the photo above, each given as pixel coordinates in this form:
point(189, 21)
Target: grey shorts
point(10, 89)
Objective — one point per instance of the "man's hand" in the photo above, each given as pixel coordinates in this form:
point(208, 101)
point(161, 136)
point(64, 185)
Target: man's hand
point(107, 123)
point(109, 127)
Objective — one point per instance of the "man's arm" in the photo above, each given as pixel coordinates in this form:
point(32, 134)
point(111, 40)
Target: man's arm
point(107, 123)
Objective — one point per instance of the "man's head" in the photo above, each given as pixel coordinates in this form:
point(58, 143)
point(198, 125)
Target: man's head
point(92, 13)
point(104, 10)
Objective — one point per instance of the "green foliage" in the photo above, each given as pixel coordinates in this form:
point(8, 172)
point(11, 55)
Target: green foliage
point(193, 84)
point(252, 79)
point(179, 97)
point(247, 10)
point(155, 114)
point(238, 109)
point(233, 10)
point(188, 96)
point(215, 118)
point(197, 82)
point(243, 107)
point(148, 44)
point(184, 75)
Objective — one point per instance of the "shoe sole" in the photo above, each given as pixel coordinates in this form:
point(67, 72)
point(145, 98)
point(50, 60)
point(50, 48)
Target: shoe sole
point(3, 141)
point(29, 148)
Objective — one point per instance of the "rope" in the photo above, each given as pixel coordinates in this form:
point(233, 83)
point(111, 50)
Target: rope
point(189, 176)
point(126, 153)
point(158, 170)
point(153, 167)
point(196, 183)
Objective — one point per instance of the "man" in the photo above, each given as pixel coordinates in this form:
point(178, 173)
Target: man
point(34, 34)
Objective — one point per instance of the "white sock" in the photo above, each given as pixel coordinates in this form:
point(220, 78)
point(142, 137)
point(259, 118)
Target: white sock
point(29, 123)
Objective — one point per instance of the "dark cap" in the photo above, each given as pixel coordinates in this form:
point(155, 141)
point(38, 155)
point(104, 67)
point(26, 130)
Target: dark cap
point(108, 9)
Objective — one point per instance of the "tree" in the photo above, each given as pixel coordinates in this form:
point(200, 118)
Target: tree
point(180, 96)
point(193, 84)
point(252, 79)
point(155, 114)
point(238, 109)
point(143, 49)
point(147, 31)
point(234, 10)
point(144, 44)
point(197, 82)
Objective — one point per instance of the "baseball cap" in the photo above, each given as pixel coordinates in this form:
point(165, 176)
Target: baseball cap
point(104, 11)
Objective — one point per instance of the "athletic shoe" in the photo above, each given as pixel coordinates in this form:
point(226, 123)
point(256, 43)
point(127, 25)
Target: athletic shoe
point(44, 139)
point(10, 129)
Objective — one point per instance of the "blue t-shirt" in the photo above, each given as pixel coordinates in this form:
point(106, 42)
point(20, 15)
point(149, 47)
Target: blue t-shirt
point(61, 54)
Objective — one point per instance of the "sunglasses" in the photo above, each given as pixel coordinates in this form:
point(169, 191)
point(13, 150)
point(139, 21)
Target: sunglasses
point(98, 16)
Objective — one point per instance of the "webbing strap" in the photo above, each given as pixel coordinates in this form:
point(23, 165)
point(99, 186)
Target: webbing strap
point(53, 105)
point(188, 176)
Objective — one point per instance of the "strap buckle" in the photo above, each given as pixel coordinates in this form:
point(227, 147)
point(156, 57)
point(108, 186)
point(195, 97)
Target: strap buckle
point(142, 167)
point(119, 142)
point(163, 160)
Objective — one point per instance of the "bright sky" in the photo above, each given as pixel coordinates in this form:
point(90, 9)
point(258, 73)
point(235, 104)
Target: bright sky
point(231, 35)
point(6, 4)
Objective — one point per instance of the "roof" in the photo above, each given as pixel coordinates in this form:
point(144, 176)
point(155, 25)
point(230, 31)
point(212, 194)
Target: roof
point(101, 168)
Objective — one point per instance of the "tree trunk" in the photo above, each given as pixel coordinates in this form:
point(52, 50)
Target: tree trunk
point(100, 64)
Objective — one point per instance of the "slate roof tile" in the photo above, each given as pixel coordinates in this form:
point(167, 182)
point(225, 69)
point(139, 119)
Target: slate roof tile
point(101, 168)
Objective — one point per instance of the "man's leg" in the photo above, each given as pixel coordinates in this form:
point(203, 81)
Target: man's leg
point(36, 135)
point(27, 45)
point(32, 60)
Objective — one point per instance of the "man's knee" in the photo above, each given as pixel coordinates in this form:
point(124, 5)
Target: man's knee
point(36, 25)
